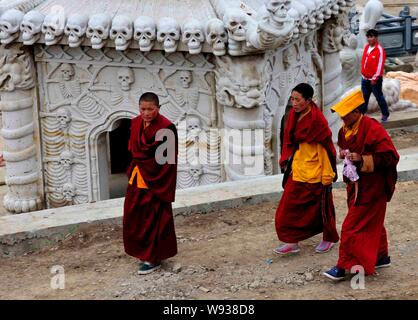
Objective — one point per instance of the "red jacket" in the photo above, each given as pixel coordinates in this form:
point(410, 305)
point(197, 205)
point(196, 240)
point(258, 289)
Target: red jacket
point(373, 64)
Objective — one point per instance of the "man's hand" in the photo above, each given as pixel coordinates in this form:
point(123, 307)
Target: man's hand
point(374, 82)
point(342, 153)
point(354, 157)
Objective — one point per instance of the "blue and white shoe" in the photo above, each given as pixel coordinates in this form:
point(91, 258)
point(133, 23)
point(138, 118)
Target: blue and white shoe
point(146, 268)
point(384, 119)
point(335, 273)
point(383, 263)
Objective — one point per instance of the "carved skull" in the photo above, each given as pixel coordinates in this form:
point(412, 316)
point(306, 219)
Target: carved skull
point(327, 9)
point(193, 127)
point(98, 30)
point(145, 32)
point(53, 28)
point(168, 32)
point(121, 31)
point(185, 78)
point(9, 25)
point(296, 18)
point(75, 29)
point(64, 118)
point(125, 78)
point(193, 36)
point(66, 159)
point(303, 16)
point(196, 171)
point(68, 191)
point(67, 71)
point(278, 7)
point(236, 23)
point(216, 36)
point(319, 12)
point(193, 123)
point(31, 27)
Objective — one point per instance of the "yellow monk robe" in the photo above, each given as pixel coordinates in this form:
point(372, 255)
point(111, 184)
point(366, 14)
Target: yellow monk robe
point(140, 183)
point(311, 163)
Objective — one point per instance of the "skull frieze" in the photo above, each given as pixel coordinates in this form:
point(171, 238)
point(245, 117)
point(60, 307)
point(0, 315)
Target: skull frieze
point(9, 25)
point(216, 36)
point(236, 23)
point(75, 29)
point(31, 26)
point(193, 36)
point(121, 31)
point(98, 30)
point(53, 28)
point(168, 33)
point(145, 32)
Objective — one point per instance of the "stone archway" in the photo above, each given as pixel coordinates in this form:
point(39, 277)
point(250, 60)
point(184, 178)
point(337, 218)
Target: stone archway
point(106, 171)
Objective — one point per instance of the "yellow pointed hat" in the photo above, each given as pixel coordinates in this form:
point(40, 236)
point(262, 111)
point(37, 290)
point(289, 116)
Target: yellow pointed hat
point(350, 102)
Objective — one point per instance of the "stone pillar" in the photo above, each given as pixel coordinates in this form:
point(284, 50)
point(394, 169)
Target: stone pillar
point(17, 97)
point(332, 36)
point(240, 90)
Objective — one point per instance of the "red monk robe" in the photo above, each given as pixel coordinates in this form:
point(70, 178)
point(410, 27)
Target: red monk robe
point(148, 225)
point(363, 235)
point(306, 209)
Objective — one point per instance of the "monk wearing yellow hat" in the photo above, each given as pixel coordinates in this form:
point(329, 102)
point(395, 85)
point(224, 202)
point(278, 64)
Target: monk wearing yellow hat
point(365, 143)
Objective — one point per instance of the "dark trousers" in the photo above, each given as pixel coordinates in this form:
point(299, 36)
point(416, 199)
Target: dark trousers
point(367, 88)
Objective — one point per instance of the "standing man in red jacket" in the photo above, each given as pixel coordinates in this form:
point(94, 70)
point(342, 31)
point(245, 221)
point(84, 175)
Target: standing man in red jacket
point(372, 66)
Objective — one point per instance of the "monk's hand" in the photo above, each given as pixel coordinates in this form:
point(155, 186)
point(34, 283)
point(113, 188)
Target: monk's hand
point(354, 157)
point(342, 153)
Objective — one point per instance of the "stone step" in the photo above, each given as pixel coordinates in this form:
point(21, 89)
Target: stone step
point(32, 231)
point(400, 119)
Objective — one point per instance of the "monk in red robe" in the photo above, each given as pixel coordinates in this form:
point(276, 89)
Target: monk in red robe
point(148, 225)
point(308, 160)
point(366, 144)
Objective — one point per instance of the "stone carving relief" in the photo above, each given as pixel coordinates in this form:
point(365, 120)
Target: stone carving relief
point(10, 25)
point(98, 29)
point(350, 57)
point(193, 36)
point(31, 27)
point(216, 36)
point(75, 29)
point(168, 34)
point(17, 96)
point(53, 28)
point(121, 31)
point(240, 86)
point(145, 32)
point(183, 83)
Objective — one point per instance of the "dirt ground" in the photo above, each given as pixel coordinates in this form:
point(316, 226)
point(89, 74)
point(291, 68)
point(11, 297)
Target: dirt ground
point(222, 255)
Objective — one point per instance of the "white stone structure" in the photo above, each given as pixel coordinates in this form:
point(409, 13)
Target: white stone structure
point(215, 64)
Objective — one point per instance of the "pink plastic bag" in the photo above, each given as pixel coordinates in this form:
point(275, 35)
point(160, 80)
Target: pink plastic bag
point(349, 169)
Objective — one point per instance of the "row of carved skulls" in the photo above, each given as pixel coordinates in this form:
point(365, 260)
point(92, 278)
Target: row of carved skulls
point(310, 14)
point(99, 28)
